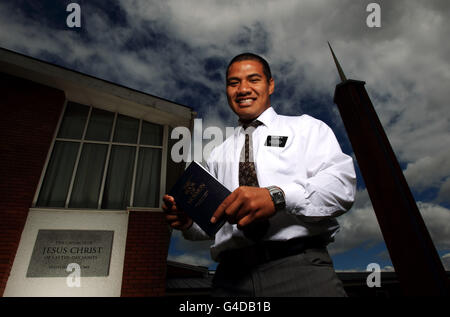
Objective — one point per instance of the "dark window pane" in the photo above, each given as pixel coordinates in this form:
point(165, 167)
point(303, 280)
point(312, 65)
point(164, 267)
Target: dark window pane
point(100, 124)
point(59, 173)
point(89, 176)
point(120, 174)
point(151, 133)
point(148, 178)
point(126, 129)
point(73, 122)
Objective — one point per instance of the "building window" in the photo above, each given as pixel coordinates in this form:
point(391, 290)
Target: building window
point(103, 160)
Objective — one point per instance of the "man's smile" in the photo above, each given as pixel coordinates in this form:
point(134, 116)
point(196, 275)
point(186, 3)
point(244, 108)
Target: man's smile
point(245, 101)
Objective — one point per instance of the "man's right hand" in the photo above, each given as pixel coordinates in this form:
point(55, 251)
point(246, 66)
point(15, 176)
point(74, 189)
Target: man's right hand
point(177, 219)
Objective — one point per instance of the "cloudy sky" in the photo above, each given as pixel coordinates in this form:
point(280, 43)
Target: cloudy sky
point(178, 50)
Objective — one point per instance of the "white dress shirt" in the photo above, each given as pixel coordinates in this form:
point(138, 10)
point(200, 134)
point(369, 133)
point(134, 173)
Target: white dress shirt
point(317, 178)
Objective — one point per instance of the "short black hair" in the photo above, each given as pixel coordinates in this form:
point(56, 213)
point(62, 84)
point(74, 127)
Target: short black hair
point(250, 56)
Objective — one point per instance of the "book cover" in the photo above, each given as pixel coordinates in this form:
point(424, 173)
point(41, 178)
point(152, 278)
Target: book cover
point(198, 193)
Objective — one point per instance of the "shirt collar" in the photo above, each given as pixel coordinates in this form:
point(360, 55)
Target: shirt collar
point(267, 117)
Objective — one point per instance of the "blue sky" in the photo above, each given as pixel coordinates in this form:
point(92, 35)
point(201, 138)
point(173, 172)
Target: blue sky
point(178, 50)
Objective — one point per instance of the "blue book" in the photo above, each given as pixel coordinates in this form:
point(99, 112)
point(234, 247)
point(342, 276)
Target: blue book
point(199, 194)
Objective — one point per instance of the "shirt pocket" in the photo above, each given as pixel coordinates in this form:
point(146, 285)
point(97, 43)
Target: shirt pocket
point(276, 158)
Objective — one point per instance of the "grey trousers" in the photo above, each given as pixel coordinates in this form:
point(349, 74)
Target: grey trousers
point(310, 273)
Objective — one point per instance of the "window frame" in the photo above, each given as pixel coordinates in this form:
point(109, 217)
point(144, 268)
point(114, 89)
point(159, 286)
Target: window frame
point(110, 143)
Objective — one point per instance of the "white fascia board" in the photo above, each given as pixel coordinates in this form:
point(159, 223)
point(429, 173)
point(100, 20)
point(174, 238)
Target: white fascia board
point(89, 90)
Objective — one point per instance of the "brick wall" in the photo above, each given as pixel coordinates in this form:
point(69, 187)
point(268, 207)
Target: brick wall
point(148, 238)
point(29, 113)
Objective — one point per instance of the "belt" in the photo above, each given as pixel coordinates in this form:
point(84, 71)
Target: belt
point(267, 251)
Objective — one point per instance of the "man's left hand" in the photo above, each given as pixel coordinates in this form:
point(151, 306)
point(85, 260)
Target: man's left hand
point(245, 205)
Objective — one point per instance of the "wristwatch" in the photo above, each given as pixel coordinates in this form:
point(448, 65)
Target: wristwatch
point(277, 195)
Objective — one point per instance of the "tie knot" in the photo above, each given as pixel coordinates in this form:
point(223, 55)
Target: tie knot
point(253, 124)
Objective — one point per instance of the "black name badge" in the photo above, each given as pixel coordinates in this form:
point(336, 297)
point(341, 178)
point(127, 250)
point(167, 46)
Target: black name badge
point(276, 140)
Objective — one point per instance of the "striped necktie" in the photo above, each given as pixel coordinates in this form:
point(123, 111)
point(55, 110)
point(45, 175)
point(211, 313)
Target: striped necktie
point(247, 177)
point(247, 171)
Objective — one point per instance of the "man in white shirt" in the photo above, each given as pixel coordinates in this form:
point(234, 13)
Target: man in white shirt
point(289, 180)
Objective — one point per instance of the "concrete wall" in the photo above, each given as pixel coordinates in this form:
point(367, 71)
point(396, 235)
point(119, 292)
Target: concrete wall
point(20, 285)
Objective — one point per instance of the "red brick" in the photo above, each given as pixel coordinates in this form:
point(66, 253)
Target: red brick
point(145, 261)
point(29, 114)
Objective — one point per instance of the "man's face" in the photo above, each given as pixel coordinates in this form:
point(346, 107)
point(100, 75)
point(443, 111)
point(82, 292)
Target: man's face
point(248, 91)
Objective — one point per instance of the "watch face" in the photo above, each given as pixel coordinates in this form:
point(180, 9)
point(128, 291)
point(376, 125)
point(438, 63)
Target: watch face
point(278, 197)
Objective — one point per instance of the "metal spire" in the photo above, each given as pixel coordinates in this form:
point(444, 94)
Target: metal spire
point(338, 66)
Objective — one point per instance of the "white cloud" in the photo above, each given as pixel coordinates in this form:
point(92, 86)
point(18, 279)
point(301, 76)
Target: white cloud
point(192, 252)
point(405, 60)
point(437, 220)
point(429, 170)
point(191, 259)
point(444, 192)
point(387, 268)
point(360, 227)
point(446, 261)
